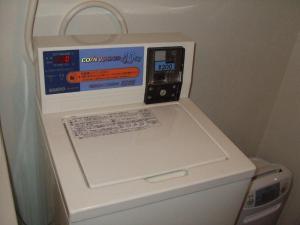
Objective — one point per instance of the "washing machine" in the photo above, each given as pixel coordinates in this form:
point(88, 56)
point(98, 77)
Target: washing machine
point(125, 145)
point(267, 194)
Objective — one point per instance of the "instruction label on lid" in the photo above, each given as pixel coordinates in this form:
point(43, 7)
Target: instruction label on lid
point(111, 123)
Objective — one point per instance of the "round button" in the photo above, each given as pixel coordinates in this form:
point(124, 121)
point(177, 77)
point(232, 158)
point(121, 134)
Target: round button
point(149, 97)
point(163, 92)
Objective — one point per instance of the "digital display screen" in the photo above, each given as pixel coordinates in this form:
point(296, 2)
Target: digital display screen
point(164, 66)
point(267, 194)
point(62, 59)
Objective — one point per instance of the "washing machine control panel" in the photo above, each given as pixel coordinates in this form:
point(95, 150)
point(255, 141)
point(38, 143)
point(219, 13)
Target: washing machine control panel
point(89, 71)
point(164, 74)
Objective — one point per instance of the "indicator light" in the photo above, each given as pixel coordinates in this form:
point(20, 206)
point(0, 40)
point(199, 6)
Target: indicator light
point(62, 59)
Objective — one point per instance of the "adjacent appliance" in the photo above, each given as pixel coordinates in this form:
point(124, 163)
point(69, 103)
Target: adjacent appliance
point(124, 143)
point(267, 195)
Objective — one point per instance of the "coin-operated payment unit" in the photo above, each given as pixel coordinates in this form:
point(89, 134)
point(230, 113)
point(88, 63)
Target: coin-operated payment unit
point(164, 74)
point(114, 158)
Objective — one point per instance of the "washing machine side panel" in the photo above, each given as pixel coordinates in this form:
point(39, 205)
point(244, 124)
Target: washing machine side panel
point(56, 205)
point(55, 199)
point(217, 206)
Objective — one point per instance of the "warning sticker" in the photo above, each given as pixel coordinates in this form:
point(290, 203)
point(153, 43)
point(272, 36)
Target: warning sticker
point(111, 123)
point(108, 74)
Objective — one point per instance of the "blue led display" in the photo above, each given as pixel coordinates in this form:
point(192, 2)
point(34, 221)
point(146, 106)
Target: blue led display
point(164, 66)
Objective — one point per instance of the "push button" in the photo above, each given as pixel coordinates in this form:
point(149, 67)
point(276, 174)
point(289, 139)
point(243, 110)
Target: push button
point(162, 92)
point(250, 200)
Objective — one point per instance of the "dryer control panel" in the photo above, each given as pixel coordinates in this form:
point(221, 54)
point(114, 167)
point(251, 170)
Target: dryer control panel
point(164, 74)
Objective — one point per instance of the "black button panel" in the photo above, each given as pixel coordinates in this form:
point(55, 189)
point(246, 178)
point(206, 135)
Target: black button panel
point(164, 74)
point(162, 93)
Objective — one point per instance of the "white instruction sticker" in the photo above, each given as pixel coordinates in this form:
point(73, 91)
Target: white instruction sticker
point(111, 123)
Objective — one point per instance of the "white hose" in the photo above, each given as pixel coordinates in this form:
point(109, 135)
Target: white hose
point(31, 12)
point(89, 4)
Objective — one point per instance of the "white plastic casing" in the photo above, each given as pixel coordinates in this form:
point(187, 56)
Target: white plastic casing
point(219, 177)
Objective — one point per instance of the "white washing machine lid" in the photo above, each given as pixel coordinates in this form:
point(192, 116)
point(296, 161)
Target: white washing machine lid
point(103, 172)
point(143, 143)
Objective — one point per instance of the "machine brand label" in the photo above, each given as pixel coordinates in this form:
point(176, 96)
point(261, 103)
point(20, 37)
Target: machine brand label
point(92, 69)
